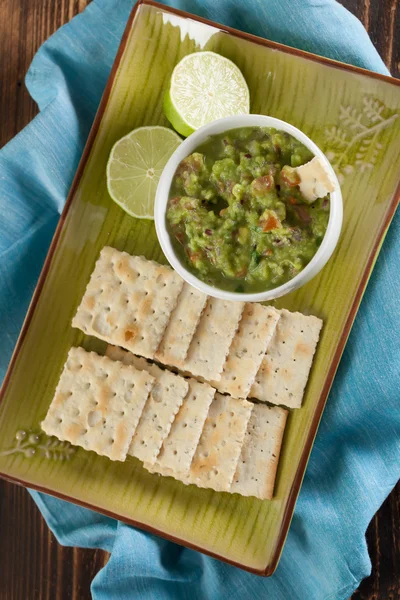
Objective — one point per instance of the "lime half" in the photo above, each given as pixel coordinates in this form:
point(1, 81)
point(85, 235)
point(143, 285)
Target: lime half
point(135, 166)
point(205, 86)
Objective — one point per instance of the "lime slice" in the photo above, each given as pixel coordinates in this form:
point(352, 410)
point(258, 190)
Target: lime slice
point(205, 86)
point(135, 166)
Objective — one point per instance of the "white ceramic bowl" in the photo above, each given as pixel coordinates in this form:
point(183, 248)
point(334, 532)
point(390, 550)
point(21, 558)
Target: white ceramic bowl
point(187, 147)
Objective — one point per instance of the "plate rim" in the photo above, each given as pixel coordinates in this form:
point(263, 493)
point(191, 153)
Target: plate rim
point(299, 475)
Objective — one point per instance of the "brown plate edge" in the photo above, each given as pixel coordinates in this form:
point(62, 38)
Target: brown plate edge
point(129, 521)
point(273, 45)
point(298, 478)
point(295, 488)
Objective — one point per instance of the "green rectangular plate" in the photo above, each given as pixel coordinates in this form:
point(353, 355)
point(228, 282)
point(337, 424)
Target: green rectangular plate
point(353, 115)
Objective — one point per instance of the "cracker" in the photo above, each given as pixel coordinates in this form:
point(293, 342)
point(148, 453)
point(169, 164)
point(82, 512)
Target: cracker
point(179, 447)
point(182, 325)
point(216, 457)
point(98, 403)
point(285, 368)
point(128, 301)
point(212, 339)
point(258, 462)
point(162, 405)
point(247, 350)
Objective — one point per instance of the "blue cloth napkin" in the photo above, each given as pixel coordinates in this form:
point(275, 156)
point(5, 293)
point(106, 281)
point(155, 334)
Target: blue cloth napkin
point(356, 458)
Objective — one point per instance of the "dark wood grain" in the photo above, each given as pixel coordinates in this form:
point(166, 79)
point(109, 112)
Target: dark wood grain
point(33, 565)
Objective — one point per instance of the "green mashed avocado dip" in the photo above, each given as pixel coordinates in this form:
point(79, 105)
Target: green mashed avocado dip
point(236, 216)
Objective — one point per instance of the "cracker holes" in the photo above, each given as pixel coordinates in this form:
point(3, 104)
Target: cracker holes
point(94, 418)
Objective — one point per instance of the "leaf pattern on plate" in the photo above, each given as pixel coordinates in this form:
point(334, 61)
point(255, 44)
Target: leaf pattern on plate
point(30, 443)
point(354, 142)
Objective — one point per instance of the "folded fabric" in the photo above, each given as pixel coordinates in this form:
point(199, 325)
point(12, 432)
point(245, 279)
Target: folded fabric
point(356, 458)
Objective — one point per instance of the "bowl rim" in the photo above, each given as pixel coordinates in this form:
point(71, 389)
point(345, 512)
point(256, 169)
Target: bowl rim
point(319, 259)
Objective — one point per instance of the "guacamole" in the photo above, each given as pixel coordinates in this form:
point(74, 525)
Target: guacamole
point(236, 216)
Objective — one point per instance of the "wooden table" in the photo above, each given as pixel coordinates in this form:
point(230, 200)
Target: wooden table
point(33, 565)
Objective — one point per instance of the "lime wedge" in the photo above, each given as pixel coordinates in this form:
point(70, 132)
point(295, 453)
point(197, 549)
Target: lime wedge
point(135, 165)
point(204, 86)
